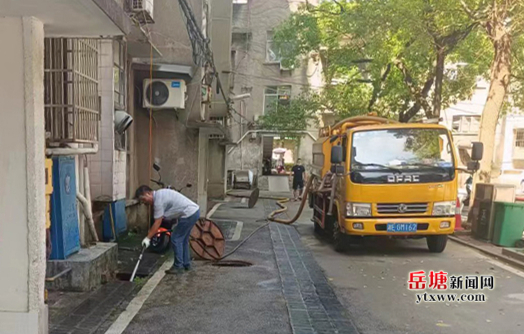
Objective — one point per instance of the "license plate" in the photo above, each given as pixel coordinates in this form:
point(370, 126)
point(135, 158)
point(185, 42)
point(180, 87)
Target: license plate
point(402, 227)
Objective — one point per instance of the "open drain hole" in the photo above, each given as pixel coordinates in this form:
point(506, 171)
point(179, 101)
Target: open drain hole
point(233, 263)
point(127, 276)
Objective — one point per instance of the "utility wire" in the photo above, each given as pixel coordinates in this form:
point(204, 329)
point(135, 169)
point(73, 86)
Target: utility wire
point(202, 54)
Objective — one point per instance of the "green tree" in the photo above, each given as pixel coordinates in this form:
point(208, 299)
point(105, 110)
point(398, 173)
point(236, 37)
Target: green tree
point(387, 56)
point(502, 22)
point(296, 115)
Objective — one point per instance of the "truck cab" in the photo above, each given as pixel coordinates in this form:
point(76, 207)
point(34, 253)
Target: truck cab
point(388, 180)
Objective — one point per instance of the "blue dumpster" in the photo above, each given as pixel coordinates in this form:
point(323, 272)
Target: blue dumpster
point(115, 220)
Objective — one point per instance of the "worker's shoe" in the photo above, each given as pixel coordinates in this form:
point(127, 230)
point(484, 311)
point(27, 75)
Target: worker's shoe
point(175, 271)
point(188, 268)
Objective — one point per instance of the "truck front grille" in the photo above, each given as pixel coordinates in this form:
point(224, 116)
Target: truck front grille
point(400, 208)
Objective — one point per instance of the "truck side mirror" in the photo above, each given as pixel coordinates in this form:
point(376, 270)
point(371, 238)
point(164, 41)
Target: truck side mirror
point(477, 151)
point(337, 154)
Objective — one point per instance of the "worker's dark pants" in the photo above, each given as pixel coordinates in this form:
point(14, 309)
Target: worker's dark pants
point(180, 240)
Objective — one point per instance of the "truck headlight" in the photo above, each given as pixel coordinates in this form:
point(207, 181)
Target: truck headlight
point(444, 208)
point(358, 209)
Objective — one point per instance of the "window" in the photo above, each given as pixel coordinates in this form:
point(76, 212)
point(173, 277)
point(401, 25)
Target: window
point(466, 124)
point(120, 87)
point(119, 69)
point(519, 138)
point(275, 96)
point(272, 53)
point(71, 100)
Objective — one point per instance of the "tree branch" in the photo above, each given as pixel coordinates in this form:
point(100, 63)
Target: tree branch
point(415, 92)
point(342, 10)
point(377, 88)
point(474, 15)
point(451, 40)
point(409, 114)
point(310, 8)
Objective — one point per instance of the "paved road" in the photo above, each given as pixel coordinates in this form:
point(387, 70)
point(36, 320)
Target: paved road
point(371, 280)
point(222, 300)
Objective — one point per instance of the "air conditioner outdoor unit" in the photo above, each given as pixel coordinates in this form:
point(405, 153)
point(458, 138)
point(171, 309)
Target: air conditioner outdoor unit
point(164, 94)
point(142, 10)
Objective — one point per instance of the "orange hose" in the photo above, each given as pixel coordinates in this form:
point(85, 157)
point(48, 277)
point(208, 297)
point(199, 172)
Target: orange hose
point(283, 208)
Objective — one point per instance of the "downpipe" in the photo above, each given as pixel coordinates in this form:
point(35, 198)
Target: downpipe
point(86, 210)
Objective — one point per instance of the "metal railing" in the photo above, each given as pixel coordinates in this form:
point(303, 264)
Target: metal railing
point(72, 105)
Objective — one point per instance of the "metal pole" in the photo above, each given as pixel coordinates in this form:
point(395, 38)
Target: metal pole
point(137, 264)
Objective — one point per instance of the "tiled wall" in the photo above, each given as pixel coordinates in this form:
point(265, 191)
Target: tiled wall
point(119, 175)
point(107, 168)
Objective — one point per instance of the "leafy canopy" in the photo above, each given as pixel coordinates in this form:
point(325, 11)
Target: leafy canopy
point(381, 55)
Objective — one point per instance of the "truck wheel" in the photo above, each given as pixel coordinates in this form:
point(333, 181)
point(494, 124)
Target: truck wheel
point(341, 242)
point(437, 243)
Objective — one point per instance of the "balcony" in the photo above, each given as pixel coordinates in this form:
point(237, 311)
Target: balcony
point(71, 102)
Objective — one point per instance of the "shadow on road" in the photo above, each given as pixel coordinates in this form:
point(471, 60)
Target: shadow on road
point(380, 246)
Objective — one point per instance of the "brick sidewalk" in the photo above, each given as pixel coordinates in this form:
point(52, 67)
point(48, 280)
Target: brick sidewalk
point(312, 304)
point(94, 312)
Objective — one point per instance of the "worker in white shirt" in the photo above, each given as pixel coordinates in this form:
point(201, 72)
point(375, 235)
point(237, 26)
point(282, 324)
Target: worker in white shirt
point(170, 205)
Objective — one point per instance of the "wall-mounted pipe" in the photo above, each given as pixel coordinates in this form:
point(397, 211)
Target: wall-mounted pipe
point(87, 192)
point(86, 209)
point(268, 131)
point(60, 151)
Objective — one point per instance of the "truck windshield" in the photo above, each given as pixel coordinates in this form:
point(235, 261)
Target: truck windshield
point(402, 150)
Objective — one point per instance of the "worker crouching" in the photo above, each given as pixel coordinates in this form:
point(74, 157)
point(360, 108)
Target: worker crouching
point(182, 213)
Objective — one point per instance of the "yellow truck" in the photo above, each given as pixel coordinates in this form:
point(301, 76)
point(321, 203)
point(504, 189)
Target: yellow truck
point(376, 177)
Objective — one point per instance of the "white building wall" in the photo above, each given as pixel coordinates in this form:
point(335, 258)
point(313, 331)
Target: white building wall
point(253, 73)
point(22, 194)
point(513, 122)
point(107, 168)
point(506, 168)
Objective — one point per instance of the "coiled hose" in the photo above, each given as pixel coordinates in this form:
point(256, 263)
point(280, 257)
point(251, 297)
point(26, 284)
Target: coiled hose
point(271, 217)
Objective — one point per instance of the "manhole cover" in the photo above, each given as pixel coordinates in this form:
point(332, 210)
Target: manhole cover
point(207, 240)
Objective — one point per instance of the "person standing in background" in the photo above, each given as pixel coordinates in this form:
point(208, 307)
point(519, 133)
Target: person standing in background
point(299, 175)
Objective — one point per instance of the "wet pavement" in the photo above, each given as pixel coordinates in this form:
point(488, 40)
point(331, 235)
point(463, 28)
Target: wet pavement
point(312, 304)
point(93, 312)
point(371, 281)
point(88, 312)
point(298, 284)
point(225, 300)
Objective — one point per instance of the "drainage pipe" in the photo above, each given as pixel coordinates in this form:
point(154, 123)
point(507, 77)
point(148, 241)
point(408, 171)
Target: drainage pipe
point(87, 190)
point(86, 209)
